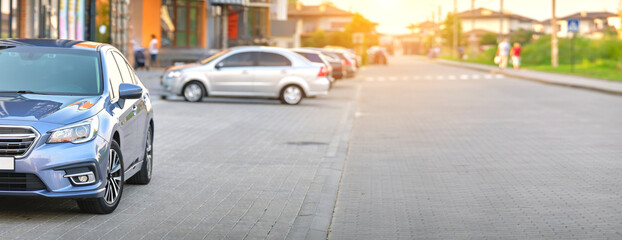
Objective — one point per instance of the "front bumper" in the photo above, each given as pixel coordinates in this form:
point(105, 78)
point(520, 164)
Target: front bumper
point(173, 86)
point(49, 163)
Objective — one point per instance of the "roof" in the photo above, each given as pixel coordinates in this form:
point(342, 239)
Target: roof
point(322, 10)
point(484, 13)
point(589, 15)
point(282, 28)
point(54, 43)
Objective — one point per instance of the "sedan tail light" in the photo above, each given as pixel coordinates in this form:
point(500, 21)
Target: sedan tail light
point(324, 71)
point(348, 62)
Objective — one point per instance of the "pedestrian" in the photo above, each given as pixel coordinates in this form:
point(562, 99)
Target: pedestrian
point(516, 55)
point(503, 52)
point(461, 52)
point(153, 50)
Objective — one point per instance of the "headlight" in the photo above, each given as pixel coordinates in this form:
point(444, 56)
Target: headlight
point(76, 133)
point(173, 74)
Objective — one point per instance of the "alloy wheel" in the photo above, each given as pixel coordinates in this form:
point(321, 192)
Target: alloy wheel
point(292, 95)
point(114, 178)
point(193, 92)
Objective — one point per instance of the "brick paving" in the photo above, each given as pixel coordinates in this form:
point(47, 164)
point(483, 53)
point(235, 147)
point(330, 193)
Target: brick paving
point(223, 169)
point(481, 159)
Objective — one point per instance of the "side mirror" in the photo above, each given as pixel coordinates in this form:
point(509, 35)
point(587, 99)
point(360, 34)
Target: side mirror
point(219, 65)
point(130, 91)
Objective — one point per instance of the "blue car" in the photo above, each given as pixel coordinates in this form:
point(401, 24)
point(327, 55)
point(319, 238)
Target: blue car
point(75, 122)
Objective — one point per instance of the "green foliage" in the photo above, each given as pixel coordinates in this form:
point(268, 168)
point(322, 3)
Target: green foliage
point(488, 39)
point(359, 24)
point(521, 36)
point(448, 32)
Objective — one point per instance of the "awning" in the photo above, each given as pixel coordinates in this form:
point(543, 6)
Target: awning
point(229, 2)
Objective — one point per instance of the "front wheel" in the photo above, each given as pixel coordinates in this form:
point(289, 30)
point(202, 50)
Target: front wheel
point(114, 185)
point(144, 175)
point(291, 95)
point(194, 92)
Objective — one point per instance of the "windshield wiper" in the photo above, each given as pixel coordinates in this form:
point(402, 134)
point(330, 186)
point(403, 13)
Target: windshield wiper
point(25, 92)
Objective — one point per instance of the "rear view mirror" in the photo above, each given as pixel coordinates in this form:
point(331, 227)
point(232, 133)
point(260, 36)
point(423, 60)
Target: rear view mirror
point(220, 65)
point(130, 91)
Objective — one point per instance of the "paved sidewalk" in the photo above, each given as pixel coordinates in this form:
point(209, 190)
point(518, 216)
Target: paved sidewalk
point(544, 77)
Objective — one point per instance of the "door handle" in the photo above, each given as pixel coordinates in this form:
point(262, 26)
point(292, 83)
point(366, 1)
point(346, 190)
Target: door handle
point(134, 108)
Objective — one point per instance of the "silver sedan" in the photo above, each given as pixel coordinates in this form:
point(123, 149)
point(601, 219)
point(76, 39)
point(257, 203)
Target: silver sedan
point(249, 72)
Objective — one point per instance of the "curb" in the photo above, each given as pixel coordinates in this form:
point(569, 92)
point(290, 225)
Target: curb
point(474, 66)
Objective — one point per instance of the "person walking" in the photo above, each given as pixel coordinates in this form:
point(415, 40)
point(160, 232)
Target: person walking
point(503, 52)
point(516, 49)
point(153, 50)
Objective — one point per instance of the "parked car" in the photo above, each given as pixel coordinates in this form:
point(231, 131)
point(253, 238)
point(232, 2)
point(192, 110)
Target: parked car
point(349, 63)
point(377, 55)
point(251, 71)
point(338, 64)
point(75, 122)
point(317, 58)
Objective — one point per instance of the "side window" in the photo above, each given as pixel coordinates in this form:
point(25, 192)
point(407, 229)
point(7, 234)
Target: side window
point(114, 76)
point(239, 60)
point(126, 73)
point(273, 60)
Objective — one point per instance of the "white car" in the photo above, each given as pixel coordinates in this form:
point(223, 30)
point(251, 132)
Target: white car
point(252, 71)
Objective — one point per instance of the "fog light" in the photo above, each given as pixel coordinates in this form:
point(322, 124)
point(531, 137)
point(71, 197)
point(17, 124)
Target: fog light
point(83, 178)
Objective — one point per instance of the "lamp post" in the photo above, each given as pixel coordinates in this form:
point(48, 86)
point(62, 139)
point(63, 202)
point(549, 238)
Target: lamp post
point(554, 42)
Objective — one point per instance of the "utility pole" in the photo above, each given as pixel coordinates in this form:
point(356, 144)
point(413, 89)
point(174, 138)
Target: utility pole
point(472, 37)
point(501, 21)
point(455, 42)
point(554, 48)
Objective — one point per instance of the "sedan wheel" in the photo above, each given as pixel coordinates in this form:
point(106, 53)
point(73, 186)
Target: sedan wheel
point(144, 175)
point(291, 95)
point(113, 185)
point(193, 92)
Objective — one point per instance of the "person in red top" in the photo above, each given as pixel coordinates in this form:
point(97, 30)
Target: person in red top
point(515, 53)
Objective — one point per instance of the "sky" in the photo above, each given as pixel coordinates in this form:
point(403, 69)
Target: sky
point(394, 15)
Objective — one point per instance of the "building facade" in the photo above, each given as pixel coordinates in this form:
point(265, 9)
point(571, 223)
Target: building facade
point(484, 20)
point(94, 20)
point(319, 17)
point(591, 24)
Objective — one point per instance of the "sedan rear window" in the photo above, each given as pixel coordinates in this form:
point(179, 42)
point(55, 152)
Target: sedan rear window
point(50, 71)
point(311, 57)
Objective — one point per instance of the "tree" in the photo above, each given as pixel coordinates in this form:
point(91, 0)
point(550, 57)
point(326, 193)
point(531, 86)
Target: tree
point(292, 2)
point(361, 24)
point(488, 39)
point(521, 36)
point(448, 32)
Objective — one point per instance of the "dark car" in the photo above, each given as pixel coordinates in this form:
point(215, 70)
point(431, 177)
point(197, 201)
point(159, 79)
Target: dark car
point(75, 122)
point(348, 63)
point(319, 58)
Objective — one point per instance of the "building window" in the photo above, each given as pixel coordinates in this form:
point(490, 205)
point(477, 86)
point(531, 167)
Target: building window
point(180, 23)
point(10, 19)
point(257, 19)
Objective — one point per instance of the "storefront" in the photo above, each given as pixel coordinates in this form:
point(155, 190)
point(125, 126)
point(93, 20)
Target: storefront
point(95, 20)
point(179, 25)
point(239, 22)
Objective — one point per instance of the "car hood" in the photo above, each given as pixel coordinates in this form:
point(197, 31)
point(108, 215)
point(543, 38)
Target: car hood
point(185, 66)
point(48, 108)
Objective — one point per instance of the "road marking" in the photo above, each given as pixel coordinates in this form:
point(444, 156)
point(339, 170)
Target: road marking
point(381, 79)
point(393, 79)
point(434, 77)
point(464, 77)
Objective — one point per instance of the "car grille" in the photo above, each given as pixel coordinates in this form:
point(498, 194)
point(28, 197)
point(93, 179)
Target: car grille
point(16, 141)
point(20, 182)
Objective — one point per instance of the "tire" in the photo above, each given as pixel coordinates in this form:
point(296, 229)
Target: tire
point(194, 91)
point(291, 95)
point(114, 182)
point(143, 177)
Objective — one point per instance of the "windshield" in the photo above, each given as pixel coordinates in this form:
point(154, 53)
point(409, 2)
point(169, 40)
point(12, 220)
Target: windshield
point(42, 70)
point(211, 58)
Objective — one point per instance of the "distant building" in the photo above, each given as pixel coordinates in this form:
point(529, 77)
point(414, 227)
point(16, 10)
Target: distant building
point(319, 17)
point(591, 24)
point(285, 34)
point(483, 20)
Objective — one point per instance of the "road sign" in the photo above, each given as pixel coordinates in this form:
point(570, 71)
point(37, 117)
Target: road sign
point(573, 25)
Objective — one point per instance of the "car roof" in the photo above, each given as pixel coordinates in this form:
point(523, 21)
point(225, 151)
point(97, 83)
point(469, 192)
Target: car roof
point(306, 50)
point(52, 43)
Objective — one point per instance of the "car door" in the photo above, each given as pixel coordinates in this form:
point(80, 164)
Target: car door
point(234, 75)
point(125, 112)
point(271, 68)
